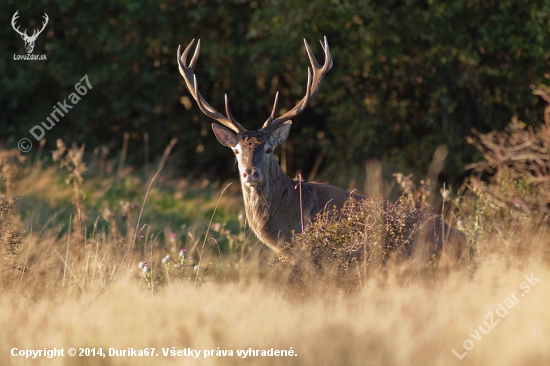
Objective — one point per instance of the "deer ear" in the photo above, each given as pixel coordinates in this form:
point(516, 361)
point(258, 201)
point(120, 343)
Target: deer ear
point(225, 136)
point(280, 134)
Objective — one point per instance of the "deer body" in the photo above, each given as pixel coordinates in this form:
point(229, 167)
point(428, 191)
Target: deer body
point(273, 209)
point(276, 206)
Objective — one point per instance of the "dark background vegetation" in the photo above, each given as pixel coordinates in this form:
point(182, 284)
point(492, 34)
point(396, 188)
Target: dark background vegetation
point(407, 76)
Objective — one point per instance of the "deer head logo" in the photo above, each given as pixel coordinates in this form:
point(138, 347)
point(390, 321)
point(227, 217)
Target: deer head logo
point(29, 41)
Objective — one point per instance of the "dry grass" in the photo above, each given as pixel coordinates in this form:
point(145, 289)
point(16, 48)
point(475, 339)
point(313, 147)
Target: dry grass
point(391, 321)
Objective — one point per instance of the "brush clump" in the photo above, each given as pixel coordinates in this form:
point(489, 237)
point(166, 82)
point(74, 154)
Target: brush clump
point(358, 232)
point(11, 238)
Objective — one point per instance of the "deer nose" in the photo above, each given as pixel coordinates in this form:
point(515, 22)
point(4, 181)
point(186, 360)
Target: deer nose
point(252, 175)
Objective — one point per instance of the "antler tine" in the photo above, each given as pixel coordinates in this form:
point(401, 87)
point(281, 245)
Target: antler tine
point(227, 111)
point(324, 44)
point(275, 106)
point(44, 23)
point(37, 32)
point(13, 21)
point(273, 112)
point(188, 73)
point(313, 86)
point(318, 71)
point(195, 54)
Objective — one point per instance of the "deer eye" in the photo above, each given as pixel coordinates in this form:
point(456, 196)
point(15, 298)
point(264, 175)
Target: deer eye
point(268, 151)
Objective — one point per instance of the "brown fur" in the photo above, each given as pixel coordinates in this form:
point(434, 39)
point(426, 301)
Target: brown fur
point(273, 209)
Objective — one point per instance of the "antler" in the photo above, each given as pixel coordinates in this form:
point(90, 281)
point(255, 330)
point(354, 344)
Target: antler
point(311, 89)
point(24, 34)
point(191, 81)
point(35, 34)
point(13, 19)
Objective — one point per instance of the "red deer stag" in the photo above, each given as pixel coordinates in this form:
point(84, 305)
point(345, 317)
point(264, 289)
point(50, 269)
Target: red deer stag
point(273, 206)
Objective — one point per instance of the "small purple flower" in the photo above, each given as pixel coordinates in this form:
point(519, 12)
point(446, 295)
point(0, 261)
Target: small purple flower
point(146, 268)
point(173, 238)
point(518, 203)
point(183, 253)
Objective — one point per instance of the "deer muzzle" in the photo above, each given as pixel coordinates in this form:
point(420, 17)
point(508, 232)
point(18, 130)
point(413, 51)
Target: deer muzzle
point(251, 177)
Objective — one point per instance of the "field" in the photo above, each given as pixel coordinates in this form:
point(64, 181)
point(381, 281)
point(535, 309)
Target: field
point(73, 280)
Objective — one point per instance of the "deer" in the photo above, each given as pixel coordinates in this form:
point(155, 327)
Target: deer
point(29, 40)
point(277, 206)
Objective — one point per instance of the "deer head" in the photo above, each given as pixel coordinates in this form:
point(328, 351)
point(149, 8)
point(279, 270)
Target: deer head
point(254, 149)
point(29, 41)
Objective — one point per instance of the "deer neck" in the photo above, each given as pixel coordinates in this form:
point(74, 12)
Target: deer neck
point(266, 206)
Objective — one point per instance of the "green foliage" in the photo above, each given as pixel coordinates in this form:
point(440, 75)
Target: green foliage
point(407, 75)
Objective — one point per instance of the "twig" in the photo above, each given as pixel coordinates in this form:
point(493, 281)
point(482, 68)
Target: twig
point(299, 187)
point(140, 213)
point(220, 254)
point(123, 154)
point(67, 251)
point(316, 165)
point(206, 235)
point(146, 151)
point(26, 259)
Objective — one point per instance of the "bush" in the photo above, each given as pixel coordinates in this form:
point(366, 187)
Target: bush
point(514, 175)
point(339, 239)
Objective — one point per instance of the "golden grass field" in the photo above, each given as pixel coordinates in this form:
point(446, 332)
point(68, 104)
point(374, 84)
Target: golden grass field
point(86, 290)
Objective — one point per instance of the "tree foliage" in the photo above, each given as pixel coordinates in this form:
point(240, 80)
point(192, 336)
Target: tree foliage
point(407, 75)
